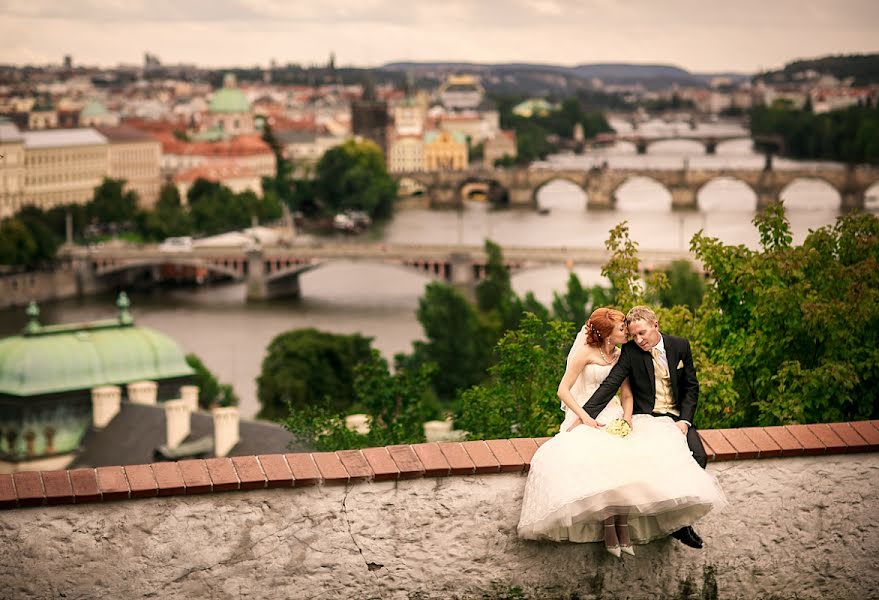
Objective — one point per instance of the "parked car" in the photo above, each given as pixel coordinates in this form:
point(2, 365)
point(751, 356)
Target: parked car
point(176, 244)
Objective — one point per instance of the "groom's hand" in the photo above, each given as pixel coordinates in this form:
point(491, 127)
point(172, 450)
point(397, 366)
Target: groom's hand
point(683, 427)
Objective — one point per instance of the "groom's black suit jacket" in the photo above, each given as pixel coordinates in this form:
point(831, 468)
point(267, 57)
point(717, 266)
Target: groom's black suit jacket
point(637, 366)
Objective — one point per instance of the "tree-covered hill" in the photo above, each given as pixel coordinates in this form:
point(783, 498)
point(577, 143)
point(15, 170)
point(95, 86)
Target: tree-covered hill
point(864, 68)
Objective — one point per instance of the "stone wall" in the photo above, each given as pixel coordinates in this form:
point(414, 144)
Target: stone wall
point(20, 288)
point(802, 527)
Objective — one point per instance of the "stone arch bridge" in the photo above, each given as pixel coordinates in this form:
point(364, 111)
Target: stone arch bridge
point(518, 187)
point(273, 271)
point(642, 142)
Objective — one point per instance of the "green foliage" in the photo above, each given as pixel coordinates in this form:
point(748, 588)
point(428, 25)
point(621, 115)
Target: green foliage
point(494, 294)
point(685, 286)
point(211, 392)
point(578, 302)
point(112, 204)
point(168, 218)
point(17, 245)
point(307, 367)
point(458, 340)
point(353, 177)
point(519, 398)
point(31, 241)
point(623, 270)
point(281, 185)
point(795, 328)
point(850, 135)
point(864, 68)
point(535, 135)
point(397, 406)
point(214, 208)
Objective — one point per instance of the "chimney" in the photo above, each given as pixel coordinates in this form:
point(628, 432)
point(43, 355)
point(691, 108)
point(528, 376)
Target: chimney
point(177, 422)
point(143, 392)
point(189, 394)
point(105, 404)
point(225, 429)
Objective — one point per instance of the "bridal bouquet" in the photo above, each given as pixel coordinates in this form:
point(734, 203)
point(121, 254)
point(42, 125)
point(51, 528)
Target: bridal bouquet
point(619, 428)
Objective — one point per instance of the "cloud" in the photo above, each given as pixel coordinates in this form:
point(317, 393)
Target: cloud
point(699, 35)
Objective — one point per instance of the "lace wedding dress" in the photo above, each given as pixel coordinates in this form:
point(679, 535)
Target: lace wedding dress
point(579, 478)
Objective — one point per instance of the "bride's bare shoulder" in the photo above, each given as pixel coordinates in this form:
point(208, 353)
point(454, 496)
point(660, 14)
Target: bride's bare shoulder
point(587, 354)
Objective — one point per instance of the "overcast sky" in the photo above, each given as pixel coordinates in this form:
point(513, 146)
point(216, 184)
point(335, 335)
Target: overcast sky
point(699, 35)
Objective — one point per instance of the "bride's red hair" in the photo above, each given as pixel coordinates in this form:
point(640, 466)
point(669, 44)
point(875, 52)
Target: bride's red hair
point(601, 323)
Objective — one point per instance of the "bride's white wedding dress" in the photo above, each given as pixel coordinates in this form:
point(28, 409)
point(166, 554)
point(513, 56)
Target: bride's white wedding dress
point(579, 478)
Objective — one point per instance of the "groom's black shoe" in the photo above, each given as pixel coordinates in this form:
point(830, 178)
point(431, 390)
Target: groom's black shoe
point(688, 537)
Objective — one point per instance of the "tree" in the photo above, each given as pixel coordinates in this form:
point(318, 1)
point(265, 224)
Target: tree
point(282, 183)
point(169, 217)
point(17, 245)
point(685, 287)
point(495, 297)
point(307, 367)
point(457, 340)
point(112, 204)
point(781, 321)
point(353, 176)
point(45, 240)
point(519, 399)
point(211, 392)
point(397, 406)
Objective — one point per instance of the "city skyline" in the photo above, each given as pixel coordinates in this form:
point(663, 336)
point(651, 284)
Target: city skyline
point(746, 37)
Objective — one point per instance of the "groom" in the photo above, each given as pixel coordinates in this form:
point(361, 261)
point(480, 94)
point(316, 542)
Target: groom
point(662, 377)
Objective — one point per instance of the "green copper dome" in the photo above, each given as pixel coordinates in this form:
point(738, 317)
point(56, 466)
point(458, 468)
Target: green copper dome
point(93, 109)
point(229, 99)
point(74, 357)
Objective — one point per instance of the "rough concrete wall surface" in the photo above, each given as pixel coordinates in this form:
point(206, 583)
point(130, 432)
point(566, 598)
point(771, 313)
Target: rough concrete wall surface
point(796, 528)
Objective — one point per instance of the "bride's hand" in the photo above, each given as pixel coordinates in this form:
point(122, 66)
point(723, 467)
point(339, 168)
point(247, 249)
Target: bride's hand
point(589, 422)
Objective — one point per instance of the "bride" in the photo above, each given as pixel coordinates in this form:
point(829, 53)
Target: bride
point(586, 485)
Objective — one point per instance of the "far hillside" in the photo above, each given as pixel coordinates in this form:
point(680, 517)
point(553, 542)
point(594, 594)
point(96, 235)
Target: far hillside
point(863, 68)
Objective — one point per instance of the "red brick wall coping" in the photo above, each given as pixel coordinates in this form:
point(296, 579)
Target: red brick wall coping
point(390, 463)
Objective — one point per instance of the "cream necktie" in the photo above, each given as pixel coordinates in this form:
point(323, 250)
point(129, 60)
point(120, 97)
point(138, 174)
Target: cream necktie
point(654, 351)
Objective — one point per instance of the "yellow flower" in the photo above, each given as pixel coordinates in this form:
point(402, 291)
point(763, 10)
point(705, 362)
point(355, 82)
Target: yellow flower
point(619, 428)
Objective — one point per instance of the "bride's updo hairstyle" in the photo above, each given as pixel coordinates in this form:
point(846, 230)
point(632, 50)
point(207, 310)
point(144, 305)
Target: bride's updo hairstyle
point(601, 323)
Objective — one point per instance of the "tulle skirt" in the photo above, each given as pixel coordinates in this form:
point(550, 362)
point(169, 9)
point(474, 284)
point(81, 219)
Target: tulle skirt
point(579, 478)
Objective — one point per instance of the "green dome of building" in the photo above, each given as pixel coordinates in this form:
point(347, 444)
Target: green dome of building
point(48, 372)
point(229, 99)
point(93, 108)
point(62, 358)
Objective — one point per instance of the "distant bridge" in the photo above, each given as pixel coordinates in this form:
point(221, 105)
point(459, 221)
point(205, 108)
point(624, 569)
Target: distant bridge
point(642, 142)
point(518, 187)
point(273, 271)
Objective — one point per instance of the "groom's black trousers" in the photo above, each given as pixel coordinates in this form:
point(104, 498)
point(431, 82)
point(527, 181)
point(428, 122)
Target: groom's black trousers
point(693, 441)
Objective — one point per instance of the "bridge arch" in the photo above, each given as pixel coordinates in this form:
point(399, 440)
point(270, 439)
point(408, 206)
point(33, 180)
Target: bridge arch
point(641, 193)
point(562, 185)
point(726, 193)
point(735, 147)
point(409, 187)
point(681, 146)
point(220, 269)
point(496, 193)
point(809, 193)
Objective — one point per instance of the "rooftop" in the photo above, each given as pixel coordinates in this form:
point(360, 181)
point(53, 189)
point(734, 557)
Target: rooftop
point(134, 434)
point(55, 138)
point(77, 356)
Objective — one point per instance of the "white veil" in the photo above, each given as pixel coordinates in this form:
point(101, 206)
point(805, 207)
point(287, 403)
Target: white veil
point(577, 388)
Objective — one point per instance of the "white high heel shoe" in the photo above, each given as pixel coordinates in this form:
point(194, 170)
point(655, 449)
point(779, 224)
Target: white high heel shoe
point(627, 548)
point(615, 549)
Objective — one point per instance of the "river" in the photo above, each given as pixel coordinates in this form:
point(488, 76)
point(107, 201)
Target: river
point(231, 335)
